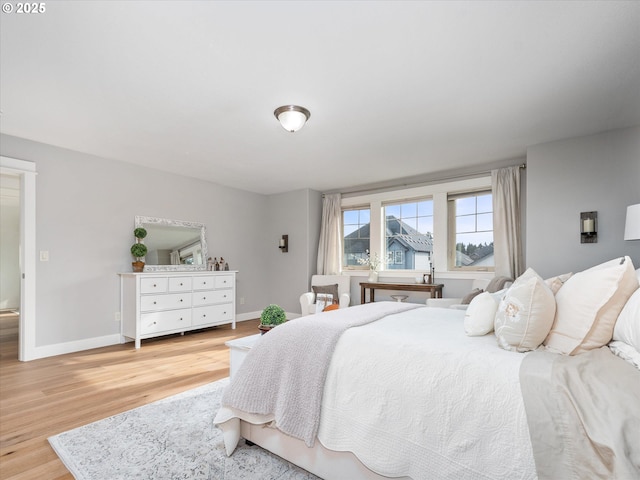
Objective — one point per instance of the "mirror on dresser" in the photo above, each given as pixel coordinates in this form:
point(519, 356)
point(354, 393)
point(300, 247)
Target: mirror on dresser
point(173, 245)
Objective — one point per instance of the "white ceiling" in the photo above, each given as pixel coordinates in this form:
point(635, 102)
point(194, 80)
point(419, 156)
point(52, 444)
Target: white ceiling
point(395, 89)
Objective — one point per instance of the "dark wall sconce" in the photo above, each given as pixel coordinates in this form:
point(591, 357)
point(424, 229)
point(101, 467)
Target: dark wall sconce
point(589, 227)
point(284, 244)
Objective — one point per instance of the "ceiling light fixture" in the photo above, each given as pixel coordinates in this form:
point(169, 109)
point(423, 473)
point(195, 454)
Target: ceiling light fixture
point(292, 117)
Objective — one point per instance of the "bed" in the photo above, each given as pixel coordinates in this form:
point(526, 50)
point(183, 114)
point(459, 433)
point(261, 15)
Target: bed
point(400, 391)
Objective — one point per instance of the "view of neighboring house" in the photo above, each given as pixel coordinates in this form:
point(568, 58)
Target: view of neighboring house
point(482, 256)
point(408, 249)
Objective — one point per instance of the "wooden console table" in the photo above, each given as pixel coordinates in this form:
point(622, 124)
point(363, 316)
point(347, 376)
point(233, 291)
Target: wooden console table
point(434, 288)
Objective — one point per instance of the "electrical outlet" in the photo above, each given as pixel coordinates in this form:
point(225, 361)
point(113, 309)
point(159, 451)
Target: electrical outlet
point(117, 317)
point(44, 255)
point(241, 300)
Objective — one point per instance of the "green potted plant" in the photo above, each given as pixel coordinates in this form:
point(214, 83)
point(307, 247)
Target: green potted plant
point(271, 316)
point(138, 249)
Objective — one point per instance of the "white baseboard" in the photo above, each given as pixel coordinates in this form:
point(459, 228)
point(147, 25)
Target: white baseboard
point(243, 317)
point(75, 346)
point(107, 340)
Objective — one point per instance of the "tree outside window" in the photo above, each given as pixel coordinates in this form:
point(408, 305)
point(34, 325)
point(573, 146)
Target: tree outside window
point(473, 235)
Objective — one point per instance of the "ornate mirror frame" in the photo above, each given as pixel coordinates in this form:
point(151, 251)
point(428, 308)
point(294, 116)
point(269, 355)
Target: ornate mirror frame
point(142, 221)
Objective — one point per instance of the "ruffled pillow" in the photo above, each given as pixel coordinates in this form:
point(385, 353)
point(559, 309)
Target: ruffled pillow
point(525, 314)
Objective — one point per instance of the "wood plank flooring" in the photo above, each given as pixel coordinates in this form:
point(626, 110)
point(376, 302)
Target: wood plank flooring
point(48, 396)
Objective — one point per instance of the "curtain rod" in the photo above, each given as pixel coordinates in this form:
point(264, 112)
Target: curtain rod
point(522, 166)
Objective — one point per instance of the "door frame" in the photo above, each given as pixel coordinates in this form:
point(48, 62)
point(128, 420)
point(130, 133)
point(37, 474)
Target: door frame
point(27, 325)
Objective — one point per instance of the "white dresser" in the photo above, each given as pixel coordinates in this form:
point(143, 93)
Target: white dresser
point(160, 303)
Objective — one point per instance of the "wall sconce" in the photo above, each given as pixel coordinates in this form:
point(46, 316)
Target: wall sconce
point(284, 244)
point(589, 227)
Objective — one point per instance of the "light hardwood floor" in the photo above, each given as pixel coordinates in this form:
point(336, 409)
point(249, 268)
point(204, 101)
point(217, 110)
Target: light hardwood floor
point(48, 396)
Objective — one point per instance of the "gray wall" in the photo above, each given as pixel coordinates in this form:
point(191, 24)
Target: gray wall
point(598, 172)
point(294, 214)
point(85, 209)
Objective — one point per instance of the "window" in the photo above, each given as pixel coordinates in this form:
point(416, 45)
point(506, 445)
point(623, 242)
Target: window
point(471, 231)
point(408, 234)
point(357, 236)
point(413, 228)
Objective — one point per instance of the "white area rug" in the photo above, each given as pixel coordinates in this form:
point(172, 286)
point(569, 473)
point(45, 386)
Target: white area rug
point(173, 438)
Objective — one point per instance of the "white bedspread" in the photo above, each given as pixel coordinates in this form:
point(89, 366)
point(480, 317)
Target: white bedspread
point(454, 411)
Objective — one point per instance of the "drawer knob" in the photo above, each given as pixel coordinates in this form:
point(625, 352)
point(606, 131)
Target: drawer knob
point(181, 283)
point(180, 318)
point(154, 285)
point(224, 296)
point(204, 298)
point(204, 315)
point(155, 302)
point(180, 299)
point(154, 323)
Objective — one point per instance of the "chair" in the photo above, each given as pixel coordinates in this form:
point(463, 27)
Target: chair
point(479, 285)
point(308, 300)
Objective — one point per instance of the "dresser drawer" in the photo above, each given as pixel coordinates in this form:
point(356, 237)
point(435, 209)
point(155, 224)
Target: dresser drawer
point(165, 321)
point(212, 314)
point(153, 285)
point(224, 281)
point(180, 284)
point(165, 302)
point(210, 297)
point(204, 283)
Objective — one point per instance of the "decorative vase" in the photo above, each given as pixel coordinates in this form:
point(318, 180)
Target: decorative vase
point(373, 276)
point(265, 328)
point(138, 266)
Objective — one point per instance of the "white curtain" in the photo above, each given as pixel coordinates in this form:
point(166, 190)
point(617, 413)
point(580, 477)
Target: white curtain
point(329, 251)
point(175, 257)
point(507, 236)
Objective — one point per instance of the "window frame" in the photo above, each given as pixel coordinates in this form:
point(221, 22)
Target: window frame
point(342, 211)
point(452, 232)
point(439, 192)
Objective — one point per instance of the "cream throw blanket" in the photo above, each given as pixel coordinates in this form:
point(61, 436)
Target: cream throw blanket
point(288, 367)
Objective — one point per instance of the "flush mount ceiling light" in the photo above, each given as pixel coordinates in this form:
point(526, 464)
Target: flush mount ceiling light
point(292, 117)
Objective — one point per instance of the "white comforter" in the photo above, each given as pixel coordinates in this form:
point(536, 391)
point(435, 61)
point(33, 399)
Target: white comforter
point(453, 410)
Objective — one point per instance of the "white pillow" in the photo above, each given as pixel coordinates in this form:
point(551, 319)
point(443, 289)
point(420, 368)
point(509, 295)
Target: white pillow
point(626, 352)
point(588, 305)
point(525, 314)
point(627, 328)
point(479, 316)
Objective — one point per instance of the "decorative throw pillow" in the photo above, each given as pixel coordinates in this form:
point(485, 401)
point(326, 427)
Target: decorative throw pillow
point(479, 316)
point(525, 314)
point(333, 306)
point(554, 283)
point(332, 289)
point(466, 300)
point(627, 328)
point(498, 283)
point(588, 305)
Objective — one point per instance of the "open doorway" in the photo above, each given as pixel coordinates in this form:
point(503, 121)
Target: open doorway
point(26, 174)
point(10, 262)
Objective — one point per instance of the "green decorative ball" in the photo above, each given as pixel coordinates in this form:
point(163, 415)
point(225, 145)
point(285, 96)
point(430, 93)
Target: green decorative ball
point(273, 315)
point(140, 233)
point(138, 250)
